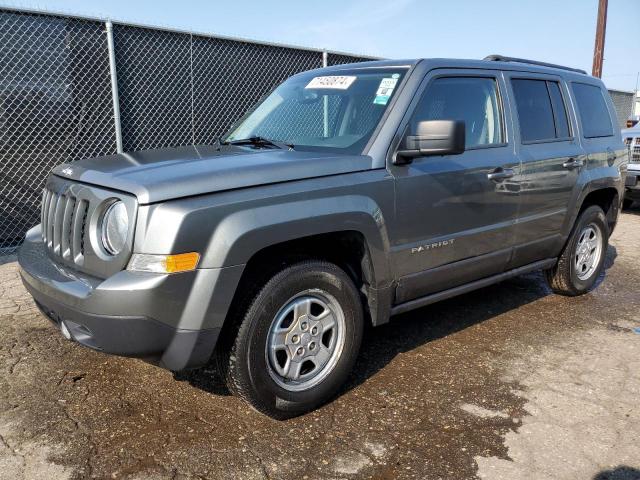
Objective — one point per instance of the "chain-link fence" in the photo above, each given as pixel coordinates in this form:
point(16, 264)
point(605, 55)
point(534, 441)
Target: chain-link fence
point(172, 88)
point(623, 102)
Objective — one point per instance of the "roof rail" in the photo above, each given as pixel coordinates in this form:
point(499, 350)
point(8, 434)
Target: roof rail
point(501, 58)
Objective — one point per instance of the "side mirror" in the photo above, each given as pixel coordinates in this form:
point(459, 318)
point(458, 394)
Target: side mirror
point(432, 137)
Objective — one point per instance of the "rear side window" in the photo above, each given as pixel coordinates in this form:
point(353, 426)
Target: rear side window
point(473, 100)
point(593, 111)
point(559, 110)
point(541, 110)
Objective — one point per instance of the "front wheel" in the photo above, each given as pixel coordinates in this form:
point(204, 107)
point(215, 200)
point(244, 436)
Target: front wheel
point(298, 340)
point(582, 259)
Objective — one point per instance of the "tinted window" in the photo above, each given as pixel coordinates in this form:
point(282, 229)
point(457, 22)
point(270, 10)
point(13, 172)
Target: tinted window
point(535, 113)
point(559, 110)
point(593, 111)
point(473, 100)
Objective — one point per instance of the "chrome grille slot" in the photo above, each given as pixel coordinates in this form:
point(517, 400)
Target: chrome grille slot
point(45, 214)
point(79, 228)
point(51, 213)
point(57, 223)
point(633, 143)
point(65, 236)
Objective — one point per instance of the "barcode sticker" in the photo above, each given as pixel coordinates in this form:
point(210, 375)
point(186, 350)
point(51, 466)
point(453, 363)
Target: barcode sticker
point(339, 82)
point(385, 90)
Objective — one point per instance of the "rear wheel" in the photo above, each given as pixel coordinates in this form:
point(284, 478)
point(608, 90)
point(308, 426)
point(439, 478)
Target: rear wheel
point(583, 256)
point(297, 341)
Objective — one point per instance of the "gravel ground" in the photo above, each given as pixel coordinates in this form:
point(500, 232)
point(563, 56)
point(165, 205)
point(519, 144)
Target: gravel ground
point(509, 382)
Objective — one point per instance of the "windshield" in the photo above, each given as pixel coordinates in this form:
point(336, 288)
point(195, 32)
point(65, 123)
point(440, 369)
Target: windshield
point(336, 112)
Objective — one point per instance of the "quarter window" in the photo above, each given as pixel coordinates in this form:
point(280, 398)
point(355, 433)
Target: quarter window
point(559, 110)
point(542, 114)
point(471, 99)
point(593, 111)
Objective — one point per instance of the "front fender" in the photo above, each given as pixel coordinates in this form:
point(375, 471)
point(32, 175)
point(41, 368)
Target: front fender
point(243, 233)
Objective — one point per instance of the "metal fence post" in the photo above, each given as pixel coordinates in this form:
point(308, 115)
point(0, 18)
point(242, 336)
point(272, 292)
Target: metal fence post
point(114, 86)
point(325, 101)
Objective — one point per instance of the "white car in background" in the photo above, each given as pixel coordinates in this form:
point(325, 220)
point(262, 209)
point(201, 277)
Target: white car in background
point(631, 137)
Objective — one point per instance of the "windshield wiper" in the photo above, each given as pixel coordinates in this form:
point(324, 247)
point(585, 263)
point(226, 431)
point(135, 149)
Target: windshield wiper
point(259, 142)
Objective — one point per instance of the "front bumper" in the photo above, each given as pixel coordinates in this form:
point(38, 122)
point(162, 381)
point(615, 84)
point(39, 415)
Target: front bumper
point(172, 320)
point(632, 185)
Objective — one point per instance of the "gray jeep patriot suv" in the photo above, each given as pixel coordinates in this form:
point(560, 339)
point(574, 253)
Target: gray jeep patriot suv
point(348, 195)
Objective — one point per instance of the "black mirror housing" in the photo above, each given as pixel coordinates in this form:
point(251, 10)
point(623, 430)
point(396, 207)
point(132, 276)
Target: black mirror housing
point(433, 137)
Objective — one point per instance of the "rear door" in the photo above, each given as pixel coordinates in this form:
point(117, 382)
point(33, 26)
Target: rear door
point(552, 158)
point(453, 223)
point(596, 119)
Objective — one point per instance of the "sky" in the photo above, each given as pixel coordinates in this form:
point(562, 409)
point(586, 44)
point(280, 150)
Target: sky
point(556, 31)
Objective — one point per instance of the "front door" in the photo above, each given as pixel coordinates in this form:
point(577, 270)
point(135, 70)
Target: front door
point(455, 214)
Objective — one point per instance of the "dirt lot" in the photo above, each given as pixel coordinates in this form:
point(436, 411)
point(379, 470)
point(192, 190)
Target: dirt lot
point(509, 382)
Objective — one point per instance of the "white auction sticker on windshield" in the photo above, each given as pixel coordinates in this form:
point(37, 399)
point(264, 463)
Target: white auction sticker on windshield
point(340, 82)
point(385, 89)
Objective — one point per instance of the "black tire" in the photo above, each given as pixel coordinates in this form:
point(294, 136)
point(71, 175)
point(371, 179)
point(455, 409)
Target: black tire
point(244, 363)
point(563, 277)
point(627, 203)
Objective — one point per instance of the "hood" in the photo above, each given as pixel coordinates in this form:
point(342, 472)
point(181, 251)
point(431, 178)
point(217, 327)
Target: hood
point(158, 175)
point(631, 132)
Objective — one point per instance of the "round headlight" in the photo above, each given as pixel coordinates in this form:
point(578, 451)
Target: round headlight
point(115, 226)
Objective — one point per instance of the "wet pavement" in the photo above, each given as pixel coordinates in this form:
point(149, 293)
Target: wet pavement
point(507, 382)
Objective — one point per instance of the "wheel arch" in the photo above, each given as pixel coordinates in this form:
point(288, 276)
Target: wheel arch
point(604, 191)
point(606, 197)
point(348, 249)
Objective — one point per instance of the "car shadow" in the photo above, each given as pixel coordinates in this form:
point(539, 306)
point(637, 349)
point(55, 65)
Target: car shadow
point(619, 473)
point(410, 330)
point(416, 328)
point(633, 209)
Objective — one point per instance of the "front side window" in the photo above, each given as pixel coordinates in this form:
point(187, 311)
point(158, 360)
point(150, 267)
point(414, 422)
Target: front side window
point(593, 111)
point(473, 100)
point(336, 112)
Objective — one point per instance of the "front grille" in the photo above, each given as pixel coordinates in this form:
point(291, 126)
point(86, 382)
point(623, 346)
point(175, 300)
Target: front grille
point(70, 218)
point(64, 219)
point(635, 153)
point(628, 140)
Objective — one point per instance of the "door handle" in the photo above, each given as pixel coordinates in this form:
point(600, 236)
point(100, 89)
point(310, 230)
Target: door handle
point(573, 163)
point(500, 174)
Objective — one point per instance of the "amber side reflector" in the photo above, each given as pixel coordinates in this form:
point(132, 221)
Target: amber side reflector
point(181, 262)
